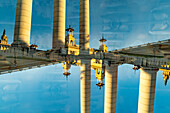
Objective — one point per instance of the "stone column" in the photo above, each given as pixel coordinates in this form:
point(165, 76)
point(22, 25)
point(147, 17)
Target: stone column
point(59, 24)
point(85, 86)
point(147, 90)
point(84, 25)
point(23, 23)
point(110, 88)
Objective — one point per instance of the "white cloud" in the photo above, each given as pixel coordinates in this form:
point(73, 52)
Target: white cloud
point(160, 26)
point(161, 7)
point(44, 8)
point(44, 40)
point(8, 3)
point(159, 32)
point(123, 28)
point(160, 16)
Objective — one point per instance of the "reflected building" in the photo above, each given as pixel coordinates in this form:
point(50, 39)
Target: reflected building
point(165, 74)
point(100, 74)
point(66, 67)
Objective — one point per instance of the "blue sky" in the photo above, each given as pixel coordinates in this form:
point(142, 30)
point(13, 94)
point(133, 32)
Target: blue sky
point(123, 22)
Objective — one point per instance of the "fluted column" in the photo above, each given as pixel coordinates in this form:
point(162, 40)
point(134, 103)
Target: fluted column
point(23, 23)
point(84, 25)
point(110, 88)
point(85, 86)
point(59, 24)
point(147, 90)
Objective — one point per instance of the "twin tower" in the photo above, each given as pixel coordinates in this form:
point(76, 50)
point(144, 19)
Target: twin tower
point(23, 24)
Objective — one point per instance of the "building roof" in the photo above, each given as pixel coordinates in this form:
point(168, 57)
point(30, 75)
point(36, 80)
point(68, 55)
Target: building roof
point(69, 29)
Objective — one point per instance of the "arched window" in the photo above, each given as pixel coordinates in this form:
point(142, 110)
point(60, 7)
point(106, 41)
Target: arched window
point(102, 71)
point(71, 42)
point(98, 71)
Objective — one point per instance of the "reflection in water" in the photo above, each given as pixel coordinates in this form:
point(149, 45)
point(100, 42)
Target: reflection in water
point(147, 90)
point(66, 67)
point(110, 88)
point(85, 86)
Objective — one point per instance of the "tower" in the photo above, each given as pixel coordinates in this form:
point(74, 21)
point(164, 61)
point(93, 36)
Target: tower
point(59, 24)
point(84, 25)
point(4, 40)
point(23, 23)
point(70, 40)
point(103, 46)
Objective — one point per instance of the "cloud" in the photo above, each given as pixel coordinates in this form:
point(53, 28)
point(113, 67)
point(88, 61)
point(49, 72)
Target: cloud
point(44, 8)
point(44, 40)
point(124, 28)
point(8, 3)
point(160, 26)
point(161, 7)
point(160, 16)
point(110, 4)
point(159, 32)
point(12, 87)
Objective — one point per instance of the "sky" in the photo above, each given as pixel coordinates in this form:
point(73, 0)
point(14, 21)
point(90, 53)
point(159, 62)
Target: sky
point(122, 22)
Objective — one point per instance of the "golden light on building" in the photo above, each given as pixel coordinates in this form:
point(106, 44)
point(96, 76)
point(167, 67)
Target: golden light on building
point(4, 41)
point(4, 38)
point(165, 74)
point(70, 42)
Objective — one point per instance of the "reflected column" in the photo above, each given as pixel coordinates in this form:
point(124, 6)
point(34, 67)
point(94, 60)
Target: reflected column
point(110, 88)
point(85, 85)
point(147, 90)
